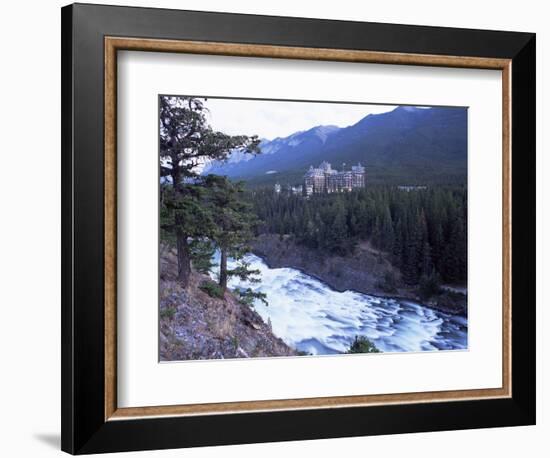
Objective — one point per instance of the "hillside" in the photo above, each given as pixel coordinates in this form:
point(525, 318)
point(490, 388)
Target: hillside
point(405, 146)
point(194, 325)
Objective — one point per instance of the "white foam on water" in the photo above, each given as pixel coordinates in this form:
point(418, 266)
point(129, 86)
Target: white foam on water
point(312, 317)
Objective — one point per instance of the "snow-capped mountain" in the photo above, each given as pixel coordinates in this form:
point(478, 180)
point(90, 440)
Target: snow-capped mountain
point(303, 139)
point(407, 144)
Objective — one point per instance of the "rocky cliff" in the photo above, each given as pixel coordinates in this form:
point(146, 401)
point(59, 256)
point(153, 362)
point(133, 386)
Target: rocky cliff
point(194, 325)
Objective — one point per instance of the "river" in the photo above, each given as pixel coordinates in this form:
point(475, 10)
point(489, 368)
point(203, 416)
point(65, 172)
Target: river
point(312, 317)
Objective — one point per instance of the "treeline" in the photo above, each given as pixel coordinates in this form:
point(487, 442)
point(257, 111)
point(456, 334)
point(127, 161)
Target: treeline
point(424, 231)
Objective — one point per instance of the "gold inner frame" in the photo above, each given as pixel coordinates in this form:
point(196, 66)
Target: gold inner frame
point(114, 44)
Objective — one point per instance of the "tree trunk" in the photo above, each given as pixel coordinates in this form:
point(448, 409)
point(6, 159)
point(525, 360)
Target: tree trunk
point(223, 271)
point(184, 259)
point(184, 256)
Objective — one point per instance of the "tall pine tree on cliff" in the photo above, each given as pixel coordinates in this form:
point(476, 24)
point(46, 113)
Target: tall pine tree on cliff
point(233, 222)
point(186, 142)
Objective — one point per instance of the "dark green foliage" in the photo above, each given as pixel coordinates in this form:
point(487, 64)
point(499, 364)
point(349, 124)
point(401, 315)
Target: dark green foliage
point(384, 226)
point(212, 289)
point(303, 353)
point(243, 271)
point(388, 283)
point(202, 252)
point(168, 313)
point(451, 300)
point(422, 230)
point(362, 345)
point(233, 223)
point(429, 285)
point(336, 237)
point(187, 140)
point(248, 296)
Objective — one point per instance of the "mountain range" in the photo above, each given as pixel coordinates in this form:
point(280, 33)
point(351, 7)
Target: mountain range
point(408, 145)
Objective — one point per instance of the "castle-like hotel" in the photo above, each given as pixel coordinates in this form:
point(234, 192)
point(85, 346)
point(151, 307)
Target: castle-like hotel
point(326, 179)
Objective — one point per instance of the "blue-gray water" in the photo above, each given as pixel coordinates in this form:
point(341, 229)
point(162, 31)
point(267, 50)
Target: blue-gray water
point(312, 317)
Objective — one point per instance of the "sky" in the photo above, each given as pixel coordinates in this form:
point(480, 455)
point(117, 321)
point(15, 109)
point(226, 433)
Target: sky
point(271, 119)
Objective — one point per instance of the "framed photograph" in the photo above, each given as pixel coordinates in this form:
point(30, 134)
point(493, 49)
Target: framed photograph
point(283, 228)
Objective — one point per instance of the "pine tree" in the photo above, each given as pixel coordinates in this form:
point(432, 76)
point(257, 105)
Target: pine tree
point(424, 230)
point(426, 266)
point(437, 246)
point(234, 222)
point(338, 240)
point(398, 245)
point(186, 141)
point(202, 252)
point(454, 254)
point(387, 236)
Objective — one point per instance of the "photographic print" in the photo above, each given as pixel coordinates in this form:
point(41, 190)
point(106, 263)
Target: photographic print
point(301, 228)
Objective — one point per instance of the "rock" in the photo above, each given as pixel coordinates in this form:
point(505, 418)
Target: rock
point(210, 328)
point(242, 353)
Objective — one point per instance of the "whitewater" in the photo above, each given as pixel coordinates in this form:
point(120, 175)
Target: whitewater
point(314, 318)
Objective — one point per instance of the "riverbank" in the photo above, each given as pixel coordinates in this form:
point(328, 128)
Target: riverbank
point(366, 271)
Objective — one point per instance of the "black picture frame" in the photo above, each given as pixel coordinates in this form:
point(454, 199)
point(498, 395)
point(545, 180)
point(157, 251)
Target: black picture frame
point(84, 428)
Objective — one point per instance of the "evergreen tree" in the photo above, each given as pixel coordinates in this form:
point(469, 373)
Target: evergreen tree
point(337, 239)
point(423, 231)
point(454, 259)
point(437, 246)
point(233, 227)
point(202, 252)
point(362, 344)
point(387, 235)
point(186, 141)
point(429, 285)
point(398, 245)
point(410, 264)
point(426, 266)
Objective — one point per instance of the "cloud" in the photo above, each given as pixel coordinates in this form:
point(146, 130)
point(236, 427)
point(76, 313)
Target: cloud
point(270, 119)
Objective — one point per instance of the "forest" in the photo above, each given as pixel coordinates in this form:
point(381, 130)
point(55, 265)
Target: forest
point(200, 215)
point(424, 230)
